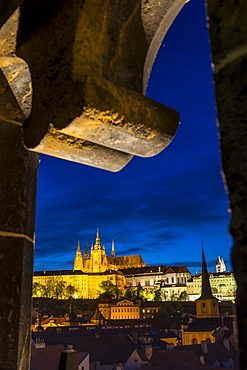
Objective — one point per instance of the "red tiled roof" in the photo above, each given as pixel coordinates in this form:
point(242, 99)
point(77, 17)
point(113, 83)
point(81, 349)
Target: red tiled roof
point(46, 358)
point(177, 360)
point(177, 269)
point(110, 349)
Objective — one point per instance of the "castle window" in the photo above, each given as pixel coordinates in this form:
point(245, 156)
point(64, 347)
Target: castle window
point(194, 341)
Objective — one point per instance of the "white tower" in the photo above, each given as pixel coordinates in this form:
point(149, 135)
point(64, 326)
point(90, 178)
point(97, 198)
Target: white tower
point(220, 265)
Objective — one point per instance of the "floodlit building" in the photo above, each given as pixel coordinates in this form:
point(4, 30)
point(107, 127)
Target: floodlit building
point(222, 282)
point(206, 305)
point(90, 271)
point(202, 329)
point(86, 286)
point(220, 265)
point(98, 261)
point(126, 309)
point(130, 271)
point(223, 285)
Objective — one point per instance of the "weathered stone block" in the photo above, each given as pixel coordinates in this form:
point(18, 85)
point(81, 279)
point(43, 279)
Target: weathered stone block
point(17, 206)
point(228, 29)
point(7, 8)
point(71, 148)
point(18, 169)
point(15, 89)
point(15, 302)
point(87, 71)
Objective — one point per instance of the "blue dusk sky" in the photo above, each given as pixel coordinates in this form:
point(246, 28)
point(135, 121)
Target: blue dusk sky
point(160, 207)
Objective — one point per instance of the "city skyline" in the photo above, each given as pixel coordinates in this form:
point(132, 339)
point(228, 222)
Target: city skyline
point(159, 207)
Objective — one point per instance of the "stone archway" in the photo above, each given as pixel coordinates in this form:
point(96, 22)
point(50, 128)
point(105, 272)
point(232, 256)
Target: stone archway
point(120, 83)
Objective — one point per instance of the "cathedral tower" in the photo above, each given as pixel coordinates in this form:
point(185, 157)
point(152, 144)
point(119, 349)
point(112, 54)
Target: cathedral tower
point(112, 249)
point(86, 254)
point(207, 305)
point(78, 258)
point(220, 265)
point(98, 256)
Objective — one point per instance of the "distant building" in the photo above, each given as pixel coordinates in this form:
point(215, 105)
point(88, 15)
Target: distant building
point(221, 354)
point(156, 276)
point(126, 309)
point(55, 356)
point(171, 280)
point(222, 282)
point(207, 312)
point(144, 276)
point(87, 285)
point(122, 310)
point(98, 261)
point(223, 285)
point(91, 270)
point(220, 265)
point(206, 305)
point(130, 271)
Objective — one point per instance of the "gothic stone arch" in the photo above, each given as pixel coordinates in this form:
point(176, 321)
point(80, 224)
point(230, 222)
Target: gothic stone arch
point(71, 86)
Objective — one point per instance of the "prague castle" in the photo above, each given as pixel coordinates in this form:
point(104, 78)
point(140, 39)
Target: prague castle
point(98, 261)
point(90, 271)
point(93, 267)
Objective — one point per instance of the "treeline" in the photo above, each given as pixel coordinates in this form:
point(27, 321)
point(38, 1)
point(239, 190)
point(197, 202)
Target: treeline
point(54, 288)
point(110, 291)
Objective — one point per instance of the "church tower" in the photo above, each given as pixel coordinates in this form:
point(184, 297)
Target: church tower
point(86, 254)
point(78, 258)
point(220, 265)
point(112, 249)
point(98, 256)
point(207, 305)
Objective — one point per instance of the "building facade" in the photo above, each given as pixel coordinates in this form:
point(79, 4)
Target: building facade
point(87, 286)
point(126, 309)
point(97, 260)
point(90, 271)
point(130, 272)
point(223, 285)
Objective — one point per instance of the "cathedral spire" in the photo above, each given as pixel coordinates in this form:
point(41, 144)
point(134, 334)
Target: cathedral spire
point(86, 254)
point(97, 241)
point(78, 258)
point(206, 305)
point(112, 248)
point(206, 288)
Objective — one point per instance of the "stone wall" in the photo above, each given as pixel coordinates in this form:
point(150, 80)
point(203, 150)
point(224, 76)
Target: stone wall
point(97, 115)
point(228, 33)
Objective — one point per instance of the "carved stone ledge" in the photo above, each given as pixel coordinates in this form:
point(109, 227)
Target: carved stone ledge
point(86, 60)
point(73, 149)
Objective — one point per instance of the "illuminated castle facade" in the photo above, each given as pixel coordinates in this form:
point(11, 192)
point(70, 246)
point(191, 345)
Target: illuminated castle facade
point(93, 267)
point(91, 270)
point(98, 261)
